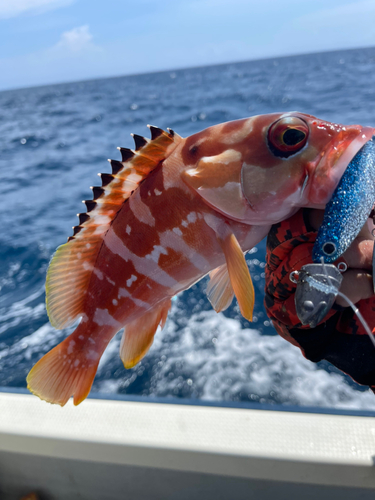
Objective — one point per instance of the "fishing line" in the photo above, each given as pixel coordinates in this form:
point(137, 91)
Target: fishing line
point(351, 304)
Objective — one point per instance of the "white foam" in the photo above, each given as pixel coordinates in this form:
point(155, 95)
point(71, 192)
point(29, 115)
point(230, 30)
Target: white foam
point(213, 358)
point(209, 357)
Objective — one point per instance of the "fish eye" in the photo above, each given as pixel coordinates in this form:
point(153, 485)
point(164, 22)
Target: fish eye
point(287, 136)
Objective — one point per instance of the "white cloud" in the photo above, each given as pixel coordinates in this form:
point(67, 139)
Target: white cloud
point(13, 8)
point(74, 57)
point(75, 40)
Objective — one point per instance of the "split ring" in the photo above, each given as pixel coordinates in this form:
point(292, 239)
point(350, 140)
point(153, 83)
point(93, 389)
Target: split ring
point(293, 276)
point(342, 266)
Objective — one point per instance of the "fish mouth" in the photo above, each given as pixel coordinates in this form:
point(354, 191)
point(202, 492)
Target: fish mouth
point(327, 172)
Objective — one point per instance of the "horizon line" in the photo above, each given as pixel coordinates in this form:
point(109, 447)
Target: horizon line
point(98, 78)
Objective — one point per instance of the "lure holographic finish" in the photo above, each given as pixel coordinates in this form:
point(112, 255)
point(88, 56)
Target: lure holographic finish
point(349, 207)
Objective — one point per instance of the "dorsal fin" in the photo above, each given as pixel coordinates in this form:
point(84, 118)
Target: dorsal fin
point(71, 267)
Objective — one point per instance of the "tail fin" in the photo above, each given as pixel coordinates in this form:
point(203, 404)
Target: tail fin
point(68, 369)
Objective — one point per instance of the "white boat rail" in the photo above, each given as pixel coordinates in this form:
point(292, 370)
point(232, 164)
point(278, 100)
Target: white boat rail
point(109, 449)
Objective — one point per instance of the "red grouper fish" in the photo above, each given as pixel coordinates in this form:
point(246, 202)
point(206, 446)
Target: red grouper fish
point(172, 211)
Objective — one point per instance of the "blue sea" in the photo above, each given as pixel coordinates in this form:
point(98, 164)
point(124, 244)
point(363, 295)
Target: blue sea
point(53, 142)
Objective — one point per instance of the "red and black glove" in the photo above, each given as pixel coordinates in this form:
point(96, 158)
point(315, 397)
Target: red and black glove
point(340, 338)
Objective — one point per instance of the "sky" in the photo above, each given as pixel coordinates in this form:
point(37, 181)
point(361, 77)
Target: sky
point(53, 41)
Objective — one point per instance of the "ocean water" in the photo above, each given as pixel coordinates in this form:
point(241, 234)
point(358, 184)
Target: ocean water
point(53, 142)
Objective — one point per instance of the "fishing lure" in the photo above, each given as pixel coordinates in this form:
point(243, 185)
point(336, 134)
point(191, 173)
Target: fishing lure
point(319, 283)
point(316, 291)
point(172, 211)
point(349, 207)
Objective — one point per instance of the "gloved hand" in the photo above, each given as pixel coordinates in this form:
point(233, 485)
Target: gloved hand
point(339, 338)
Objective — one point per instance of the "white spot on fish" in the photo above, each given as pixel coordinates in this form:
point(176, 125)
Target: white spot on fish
point(79, 255)
point(103, 318)
point(87, 266)
point(156, 252)
point(71, 347)
point(177, 230)
point(110, 281)
point(192, 217)
point(128, 229)
point(92, 355)
point(157, 192)
point(88, 245)
point(114, 302)
point(130, 280)
point(98, 273)
point(124, 293)
point(76, 363)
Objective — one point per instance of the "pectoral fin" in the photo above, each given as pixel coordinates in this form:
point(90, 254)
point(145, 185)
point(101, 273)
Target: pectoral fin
point(219, 290)
point(239, 275)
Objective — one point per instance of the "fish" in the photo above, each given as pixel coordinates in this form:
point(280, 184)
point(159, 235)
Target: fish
point(349, 208)
point(172, 211)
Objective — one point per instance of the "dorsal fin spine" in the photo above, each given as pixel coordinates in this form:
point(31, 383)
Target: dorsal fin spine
point(139, 141)
point(106, 179)
point(126, 154)
point(155, 132)
point(83, 217)
point(97, 192)
point(90, 205)
point(116, 166)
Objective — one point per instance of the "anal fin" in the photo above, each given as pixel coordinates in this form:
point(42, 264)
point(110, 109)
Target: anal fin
point(219, 289)
point(139, 334)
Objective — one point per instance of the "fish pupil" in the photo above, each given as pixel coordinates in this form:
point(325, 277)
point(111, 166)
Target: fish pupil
point(293, 136)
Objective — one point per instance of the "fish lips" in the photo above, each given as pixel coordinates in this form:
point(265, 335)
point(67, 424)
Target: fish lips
point(325, 175)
